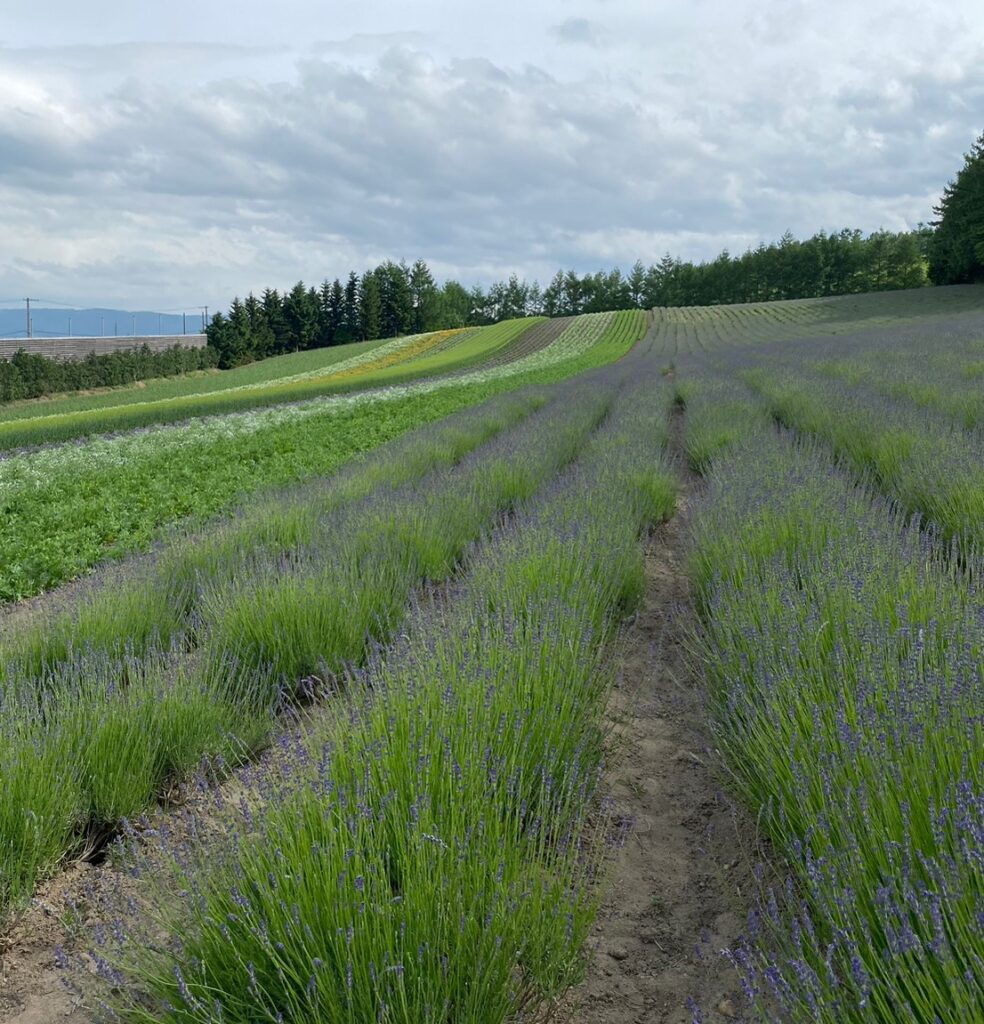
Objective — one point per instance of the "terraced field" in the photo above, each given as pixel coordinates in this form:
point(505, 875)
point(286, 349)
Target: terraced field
point(517, 691)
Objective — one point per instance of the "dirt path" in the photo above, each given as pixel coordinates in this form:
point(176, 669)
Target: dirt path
point(682, 885)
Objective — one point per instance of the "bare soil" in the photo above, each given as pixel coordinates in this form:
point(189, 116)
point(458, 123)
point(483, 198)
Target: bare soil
point(682, 885)
point(32, 989)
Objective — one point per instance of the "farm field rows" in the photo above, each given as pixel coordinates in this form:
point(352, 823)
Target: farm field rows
point(384, 688)
point(836, 563)
point(67, 507)
point(263, 371)
point(284, 603)
point(690, 329)
point(335, 371)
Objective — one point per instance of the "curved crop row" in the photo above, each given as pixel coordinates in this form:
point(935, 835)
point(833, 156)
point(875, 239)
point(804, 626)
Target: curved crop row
point(449, 815)
point(360, 372)
point(69, 507)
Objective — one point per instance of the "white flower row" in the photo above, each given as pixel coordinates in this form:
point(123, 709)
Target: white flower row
point(33, 470)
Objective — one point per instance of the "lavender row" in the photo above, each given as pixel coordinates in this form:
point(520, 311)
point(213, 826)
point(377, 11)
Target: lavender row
point(431, 853)
point(110, 703)
point(845, 668)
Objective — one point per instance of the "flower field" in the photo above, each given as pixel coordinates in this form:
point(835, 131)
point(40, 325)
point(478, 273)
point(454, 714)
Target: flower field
point(836, 559)
point(326, 372)
point(350, 738)
point(69, 506)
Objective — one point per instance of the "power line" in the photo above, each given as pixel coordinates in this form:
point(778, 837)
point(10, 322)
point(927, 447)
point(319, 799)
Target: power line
point(191, 307)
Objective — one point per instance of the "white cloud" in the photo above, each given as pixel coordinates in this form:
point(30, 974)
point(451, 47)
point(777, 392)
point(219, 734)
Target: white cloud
point(170, 171)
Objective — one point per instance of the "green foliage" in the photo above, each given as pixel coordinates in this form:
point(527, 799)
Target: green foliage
point(957, 247)
point(450, 808)
point(67, 509)
point(845, 697)
point(395, 299)
point(215, 398)
point(29, 375)
point(190, 384)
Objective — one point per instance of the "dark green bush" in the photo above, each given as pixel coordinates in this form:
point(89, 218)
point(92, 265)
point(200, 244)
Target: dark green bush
point(27, 375)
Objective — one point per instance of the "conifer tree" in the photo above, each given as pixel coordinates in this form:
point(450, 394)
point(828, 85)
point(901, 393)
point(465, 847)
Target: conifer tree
point(956, 255)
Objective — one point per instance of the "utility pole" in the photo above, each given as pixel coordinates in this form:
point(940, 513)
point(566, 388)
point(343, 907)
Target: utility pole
point(204, 310)
point(30, 322)
point(184, 323)
point(133, 321)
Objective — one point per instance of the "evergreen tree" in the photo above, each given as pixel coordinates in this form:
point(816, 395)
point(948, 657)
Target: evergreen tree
point(260, 333)
point(956, 255)
point(301, 316)
point(573, 295)
point(223, 339)
point(480, 311)
point(243, 347)
point(513, 297)
point(395, 300)
point(350, 309)
point(336, 312)
point(534, 300)
point(424, 299)
point(370, 307)
point(553, 296)
point(273, 311)
point(636, 285)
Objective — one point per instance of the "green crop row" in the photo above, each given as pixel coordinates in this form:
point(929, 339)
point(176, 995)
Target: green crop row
point(53, 428)
point(133, 684)
point(431, 853)
point(264, 371)
point(65, 509)
point(842, 653)
point(929, 466)
point(693, 329)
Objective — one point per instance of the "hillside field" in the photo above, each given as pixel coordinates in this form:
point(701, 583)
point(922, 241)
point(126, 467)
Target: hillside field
point(625, 667)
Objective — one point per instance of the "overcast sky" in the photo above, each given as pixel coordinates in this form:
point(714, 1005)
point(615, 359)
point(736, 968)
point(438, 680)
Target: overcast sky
point(175, 154)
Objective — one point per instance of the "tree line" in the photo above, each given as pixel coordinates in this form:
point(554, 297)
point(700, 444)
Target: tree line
point(399, 298)
point(29, 375)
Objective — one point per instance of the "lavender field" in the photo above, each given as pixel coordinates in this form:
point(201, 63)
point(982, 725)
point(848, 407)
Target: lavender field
point(837, 561)
point(354, 753)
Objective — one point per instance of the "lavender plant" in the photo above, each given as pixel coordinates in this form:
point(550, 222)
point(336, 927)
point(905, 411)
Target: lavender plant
point(430, 854)
point(843, 658)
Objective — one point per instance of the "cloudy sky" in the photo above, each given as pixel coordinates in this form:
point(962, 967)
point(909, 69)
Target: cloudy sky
point(169, 155)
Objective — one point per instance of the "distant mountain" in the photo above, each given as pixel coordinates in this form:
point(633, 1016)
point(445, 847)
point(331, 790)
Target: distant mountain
point(95, 323)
